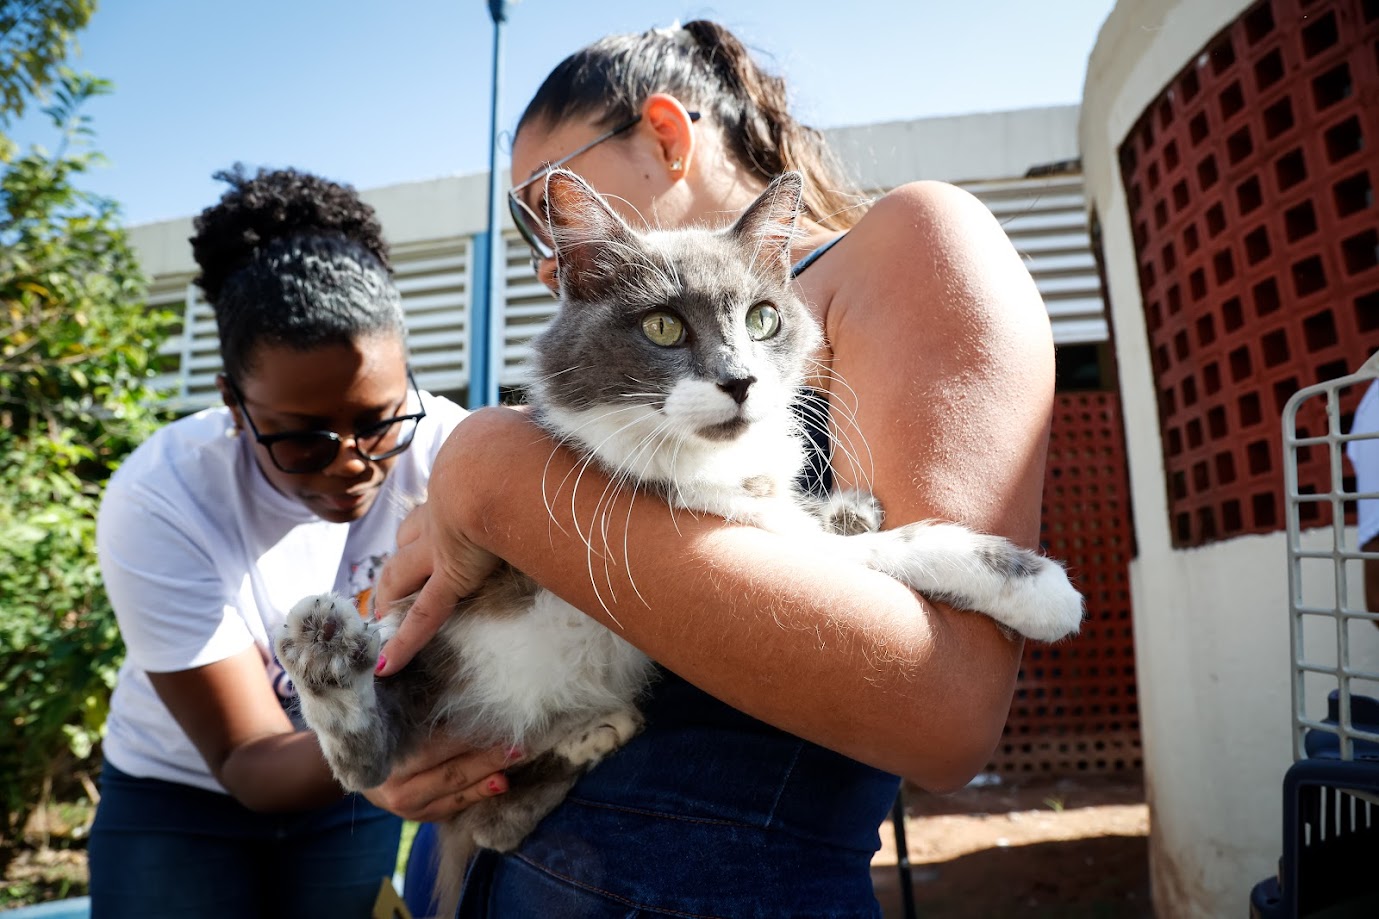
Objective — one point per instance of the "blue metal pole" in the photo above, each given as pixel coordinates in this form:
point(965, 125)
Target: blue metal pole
point(485, 357)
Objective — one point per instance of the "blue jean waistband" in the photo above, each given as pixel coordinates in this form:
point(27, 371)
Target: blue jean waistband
point(699, 759)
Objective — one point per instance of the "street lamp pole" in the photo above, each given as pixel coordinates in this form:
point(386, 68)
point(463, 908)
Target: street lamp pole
point(485, 355)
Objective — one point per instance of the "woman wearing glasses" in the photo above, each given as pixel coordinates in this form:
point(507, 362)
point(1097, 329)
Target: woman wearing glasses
point(213, 802)
point(794, 689)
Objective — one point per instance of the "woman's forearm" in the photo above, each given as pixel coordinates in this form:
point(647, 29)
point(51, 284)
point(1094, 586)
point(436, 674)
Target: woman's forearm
point(832, 652)
point(279, 773)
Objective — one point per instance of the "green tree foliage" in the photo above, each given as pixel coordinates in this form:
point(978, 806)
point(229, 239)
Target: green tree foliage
point(34, 38)
point(77, 353)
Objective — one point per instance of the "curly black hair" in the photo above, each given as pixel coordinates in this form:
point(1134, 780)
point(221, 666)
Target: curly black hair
point(290, 258)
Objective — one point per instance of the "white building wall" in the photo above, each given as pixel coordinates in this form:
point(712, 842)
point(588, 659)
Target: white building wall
point(432, 224)
point(1211, 624)
point(958, 148)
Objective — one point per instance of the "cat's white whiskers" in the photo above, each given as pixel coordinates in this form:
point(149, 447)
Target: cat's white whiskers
point(572, 434)
point(589, 547)
point(650, 442)
point(864, 472)
point(817, 418)
point(545, 495)
point(561, 441)
point(827, 371)
point(660, 431)
point(546, 378)
point(859, 201)
point(588, 537)
point(681, 501)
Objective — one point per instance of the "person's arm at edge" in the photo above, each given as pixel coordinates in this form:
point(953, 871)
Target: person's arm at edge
point(234, 719)
point(847, 658)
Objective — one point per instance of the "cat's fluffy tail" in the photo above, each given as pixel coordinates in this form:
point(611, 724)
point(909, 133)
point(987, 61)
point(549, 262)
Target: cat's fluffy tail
point(450, 861)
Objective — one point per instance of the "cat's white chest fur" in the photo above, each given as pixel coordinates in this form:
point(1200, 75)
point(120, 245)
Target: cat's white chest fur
point(523, 665)
point(746, 479)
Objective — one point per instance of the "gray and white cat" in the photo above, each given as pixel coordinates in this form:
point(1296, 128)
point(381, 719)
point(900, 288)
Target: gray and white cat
point(672, 363)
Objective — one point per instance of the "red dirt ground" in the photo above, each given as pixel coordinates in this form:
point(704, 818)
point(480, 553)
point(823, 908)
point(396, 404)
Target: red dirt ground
point(1065, 849)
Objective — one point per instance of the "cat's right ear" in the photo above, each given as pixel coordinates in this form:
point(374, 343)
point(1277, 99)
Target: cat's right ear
point(770, 223)
point(591, 241)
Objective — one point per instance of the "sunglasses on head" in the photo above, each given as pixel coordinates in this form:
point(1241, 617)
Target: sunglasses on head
point(304, 452)
point(533, 226)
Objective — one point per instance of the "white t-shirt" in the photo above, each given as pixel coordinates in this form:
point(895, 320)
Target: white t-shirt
point(1364, 458)
point(203, 558)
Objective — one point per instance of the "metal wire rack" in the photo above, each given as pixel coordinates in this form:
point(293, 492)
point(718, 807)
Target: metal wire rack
point(1335, 645)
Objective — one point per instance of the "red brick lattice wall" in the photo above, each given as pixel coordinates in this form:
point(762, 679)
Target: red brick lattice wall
point(1250, 182)
point(1075, 709)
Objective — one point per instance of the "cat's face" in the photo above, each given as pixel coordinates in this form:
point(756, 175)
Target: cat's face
point(694, 332)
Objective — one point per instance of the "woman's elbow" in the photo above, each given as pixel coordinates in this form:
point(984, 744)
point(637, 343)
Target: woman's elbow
point(953, 745)
point(961, 760)
point(252, 796)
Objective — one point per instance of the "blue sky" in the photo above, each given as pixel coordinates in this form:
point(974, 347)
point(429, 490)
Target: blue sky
point(374, 92)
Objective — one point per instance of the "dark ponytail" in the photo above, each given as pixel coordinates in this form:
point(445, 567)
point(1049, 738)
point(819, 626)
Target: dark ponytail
point(708, 68)
point(289, 258)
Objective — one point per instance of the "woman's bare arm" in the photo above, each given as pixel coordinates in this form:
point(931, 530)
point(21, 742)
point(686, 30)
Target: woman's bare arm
point(234, 719)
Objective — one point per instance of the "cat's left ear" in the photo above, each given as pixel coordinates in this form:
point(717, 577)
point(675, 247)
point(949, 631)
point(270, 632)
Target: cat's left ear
point(770, 221)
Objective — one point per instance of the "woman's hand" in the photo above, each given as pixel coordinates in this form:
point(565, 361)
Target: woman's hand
point(443, 779)
point(435, 557)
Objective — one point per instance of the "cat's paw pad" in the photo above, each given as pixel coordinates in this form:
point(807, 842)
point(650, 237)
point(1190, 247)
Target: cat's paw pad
point(1057, 609)
point(325, 643)
point(592, 742)
point(850, 512)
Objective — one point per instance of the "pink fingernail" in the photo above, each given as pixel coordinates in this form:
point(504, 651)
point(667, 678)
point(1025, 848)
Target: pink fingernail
point(514, 753)
point(496, 786)
point(382, 662)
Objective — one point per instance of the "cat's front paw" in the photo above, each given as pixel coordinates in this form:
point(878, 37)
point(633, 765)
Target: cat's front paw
point(850, 512)
point(325, 644)
point(589, 743)
point(1050, 608)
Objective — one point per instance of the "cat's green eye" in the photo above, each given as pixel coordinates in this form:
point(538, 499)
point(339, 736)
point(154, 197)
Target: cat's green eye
point(763, 321)
point(664, 329)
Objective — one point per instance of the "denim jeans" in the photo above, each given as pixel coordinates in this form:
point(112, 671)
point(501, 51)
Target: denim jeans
point(162, 849)
point(707, 813)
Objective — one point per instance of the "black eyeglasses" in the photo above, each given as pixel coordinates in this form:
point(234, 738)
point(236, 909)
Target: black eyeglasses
point(532, 225)
point(302, 452)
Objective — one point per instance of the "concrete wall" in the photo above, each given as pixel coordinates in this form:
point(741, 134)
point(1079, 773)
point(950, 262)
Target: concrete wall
point(411, 213)
point(1211, 624)
point(433, 227)
point(959, 149)
point(995, 145)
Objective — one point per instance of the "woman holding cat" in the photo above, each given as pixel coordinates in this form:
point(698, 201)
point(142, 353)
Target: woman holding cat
point(794, 689)
point(213, 802)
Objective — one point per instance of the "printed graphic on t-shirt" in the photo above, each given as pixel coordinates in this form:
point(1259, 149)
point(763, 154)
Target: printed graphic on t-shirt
point(363, 575)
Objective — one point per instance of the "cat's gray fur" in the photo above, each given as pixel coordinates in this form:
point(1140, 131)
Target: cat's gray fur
point(705, 424)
